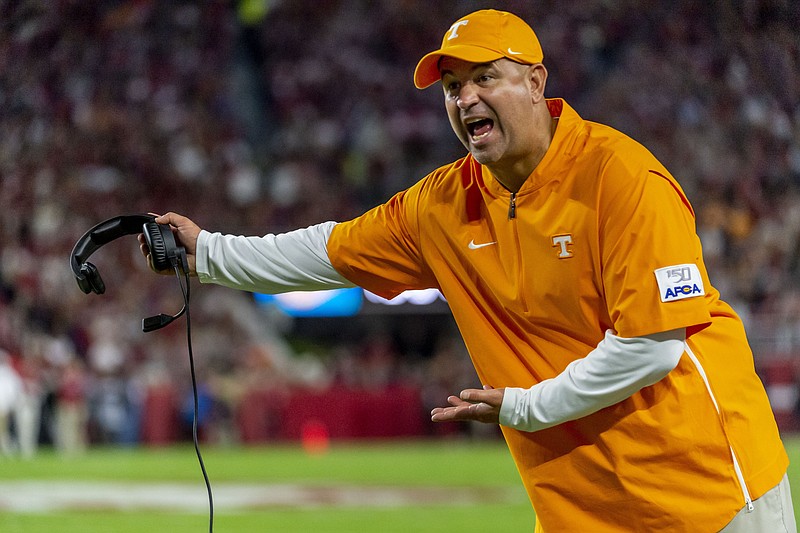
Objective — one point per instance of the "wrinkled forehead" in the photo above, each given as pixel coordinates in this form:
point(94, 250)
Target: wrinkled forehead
point(455, 66)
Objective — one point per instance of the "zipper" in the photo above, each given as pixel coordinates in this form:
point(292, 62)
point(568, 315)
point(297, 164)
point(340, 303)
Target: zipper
point(512, 206)
point(512, 215)
point(748, 501)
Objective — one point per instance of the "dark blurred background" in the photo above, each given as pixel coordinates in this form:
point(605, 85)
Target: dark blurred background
point(263, 116)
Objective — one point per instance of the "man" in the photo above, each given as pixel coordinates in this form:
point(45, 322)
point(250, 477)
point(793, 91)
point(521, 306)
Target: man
point(10, 394)
point(624, 386)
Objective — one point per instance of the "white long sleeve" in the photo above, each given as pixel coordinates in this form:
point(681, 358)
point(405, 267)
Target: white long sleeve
point(610, 373)
point(293, 261)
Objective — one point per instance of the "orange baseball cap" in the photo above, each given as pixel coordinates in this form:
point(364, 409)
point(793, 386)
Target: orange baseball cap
point(482, 37)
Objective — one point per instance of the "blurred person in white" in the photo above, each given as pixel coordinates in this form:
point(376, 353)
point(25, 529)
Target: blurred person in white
point(10, 394)
point(28, 413)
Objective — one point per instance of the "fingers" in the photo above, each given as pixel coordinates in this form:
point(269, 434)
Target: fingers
point(458, 410)
point(175, 220)
point(489, 395)
point(143, 247)
point(472, 404)
point(465, 411)
point(185, 229)
point(169, 218)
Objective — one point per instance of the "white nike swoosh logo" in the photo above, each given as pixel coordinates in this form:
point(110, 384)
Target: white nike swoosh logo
point(512, 52)
point(473, 246)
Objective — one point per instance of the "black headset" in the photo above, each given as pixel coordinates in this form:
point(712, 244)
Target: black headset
point(165, 252)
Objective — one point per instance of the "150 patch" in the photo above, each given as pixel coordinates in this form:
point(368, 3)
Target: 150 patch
point(679, 282)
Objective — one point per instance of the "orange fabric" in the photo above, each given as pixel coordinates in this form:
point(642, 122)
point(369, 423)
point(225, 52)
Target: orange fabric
point(595, 220)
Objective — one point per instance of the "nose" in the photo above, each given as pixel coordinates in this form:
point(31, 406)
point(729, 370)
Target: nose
point(467, 96)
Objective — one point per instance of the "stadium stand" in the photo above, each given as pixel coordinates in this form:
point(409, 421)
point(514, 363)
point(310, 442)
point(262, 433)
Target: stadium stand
point(266, 116)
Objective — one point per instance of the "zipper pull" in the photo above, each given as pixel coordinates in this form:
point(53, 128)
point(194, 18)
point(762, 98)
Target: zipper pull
point(512, 206)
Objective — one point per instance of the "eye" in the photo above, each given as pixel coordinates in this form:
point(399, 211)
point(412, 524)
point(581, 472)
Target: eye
point(452, 86)
point(484, 78)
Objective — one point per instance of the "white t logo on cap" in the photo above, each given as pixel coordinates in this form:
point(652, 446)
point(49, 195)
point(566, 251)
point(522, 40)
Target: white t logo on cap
point(454, 28)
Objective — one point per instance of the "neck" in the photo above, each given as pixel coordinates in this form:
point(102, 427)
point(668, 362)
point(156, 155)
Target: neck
point(511, 179)
point(512, 175)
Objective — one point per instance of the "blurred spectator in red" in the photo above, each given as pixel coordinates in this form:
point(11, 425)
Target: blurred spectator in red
point(72, 413)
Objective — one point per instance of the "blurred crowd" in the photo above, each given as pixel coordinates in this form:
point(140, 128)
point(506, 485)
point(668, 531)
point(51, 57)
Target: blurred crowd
point(266, 115)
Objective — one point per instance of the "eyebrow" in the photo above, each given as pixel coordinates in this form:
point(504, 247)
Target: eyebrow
point(473, 69)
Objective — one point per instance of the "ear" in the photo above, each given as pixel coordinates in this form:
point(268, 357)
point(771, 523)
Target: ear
point(537, 76)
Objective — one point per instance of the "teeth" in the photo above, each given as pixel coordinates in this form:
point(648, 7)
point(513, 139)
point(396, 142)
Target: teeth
point(472, 125)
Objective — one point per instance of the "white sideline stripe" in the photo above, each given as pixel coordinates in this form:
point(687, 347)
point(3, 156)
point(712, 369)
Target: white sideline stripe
point(47, 496)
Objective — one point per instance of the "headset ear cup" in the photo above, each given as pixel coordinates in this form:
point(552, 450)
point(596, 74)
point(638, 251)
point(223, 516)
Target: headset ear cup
point(158, 248)
point(83, 280)
point(91, 281)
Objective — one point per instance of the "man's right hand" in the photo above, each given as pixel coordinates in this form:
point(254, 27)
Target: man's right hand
point(185, 232)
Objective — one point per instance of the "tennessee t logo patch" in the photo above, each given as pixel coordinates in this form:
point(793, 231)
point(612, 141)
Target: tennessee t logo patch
point(679, 282)
point(563, 244)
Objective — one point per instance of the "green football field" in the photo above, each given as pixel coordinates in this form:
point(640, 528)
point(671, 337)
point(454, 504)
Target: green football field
point(396, 486)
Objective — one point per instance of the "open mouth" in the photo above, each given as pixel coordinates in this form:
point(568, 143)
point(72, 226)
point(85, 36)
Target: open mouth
point(479, 128)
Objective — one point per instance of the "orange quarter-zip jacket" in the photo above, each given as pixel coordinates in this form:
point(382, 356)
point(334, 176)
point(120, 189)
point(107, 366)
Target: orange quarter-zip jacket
point(600, 237)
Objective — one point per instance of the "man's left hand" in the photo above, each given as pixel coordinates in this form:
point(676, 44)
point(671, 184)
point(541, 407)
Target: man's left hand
point(472, 404)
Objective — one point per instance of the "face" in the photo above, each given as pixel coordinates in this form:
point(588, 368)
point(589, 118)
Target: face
point(491, 107)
